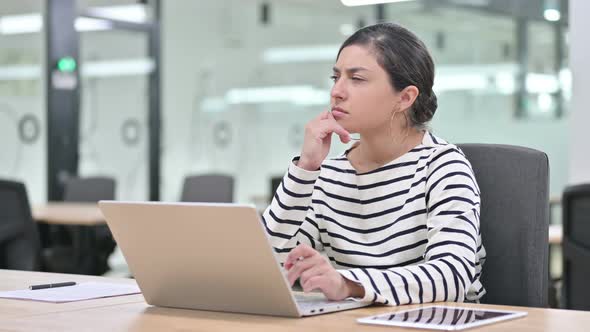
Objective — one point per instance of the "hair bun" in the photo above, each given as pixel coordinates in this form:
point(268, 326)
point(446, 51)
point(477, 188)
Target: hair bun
point(432, 103)
point(424, 107)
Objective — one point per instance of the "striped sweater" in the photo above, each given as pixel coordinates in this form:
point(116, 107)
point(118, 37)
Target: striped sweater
point(408, 231)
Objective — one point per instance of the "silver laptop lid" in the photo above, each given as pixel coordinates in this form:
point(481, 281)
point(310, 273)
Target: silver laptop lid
point(200, 256)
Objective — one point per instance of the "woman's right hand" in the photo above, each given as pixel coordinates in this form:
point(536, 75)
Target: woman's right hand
point(317, 140)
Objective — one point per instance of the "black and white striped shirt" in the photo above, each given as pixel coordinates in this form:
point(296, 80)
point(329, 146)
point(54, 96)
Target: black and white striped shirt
point(407, 231)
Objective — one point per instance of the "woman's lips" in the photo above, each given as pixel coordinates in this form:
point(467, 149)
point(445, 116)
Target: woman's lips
point(338, 113)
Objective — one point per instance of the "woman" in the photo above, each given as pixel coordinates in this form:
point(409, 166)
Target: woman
point(397, 215)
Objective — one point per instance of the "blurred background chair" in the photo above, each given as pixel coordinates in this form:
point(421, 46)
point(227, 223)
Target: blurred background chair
point(576, 247)
point(85, 248)
point(514, 184)
point(208, 188)
point(89, 189)
point(19, 240)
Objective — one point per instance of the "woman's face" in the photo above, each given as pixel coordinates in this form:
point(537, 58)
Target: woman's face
point(362, 98)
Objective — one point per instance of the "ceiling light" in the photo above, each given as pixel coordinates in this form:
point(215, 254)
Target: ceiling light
point(15, 24)
point(32, 23)
point(552, 15)
point(92, 24)
point(132, 13)
point(108, 68)
point(296, 94)
point(127, 67)
point(22, 72)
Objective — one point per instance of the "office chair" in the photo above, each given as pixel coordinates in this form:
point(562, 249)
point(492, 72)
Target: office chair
point(576, 247)
point(89, 189)
point(97, 240)
point(514, 222)
point(19, 240)
point(208, 188)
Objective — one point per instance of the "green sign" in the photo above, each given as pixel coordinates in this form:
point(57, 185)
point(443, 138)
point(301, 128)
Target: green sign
point(66, 64)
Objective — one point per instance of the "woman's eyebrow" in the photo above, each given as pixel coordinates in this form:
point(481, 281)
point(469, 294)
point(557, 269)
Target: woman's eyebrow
point(351, 70)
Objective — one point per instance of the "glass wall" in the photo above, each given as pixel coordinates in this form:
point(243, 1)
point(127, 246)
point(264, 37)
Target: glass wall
point(479, 56)
point(22, 97)
point(113, 112)
point(241, 79)
point(114, 109)
point(237, 96)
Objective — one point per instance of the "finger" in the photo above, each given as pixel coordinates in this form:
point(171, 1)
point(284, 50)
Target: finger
point(301, 267)
point(318, 282)
point(313, 271)
point(331, 126)
point(343, 133)
point(302, 250)
point(325, 115)
point(297, 268)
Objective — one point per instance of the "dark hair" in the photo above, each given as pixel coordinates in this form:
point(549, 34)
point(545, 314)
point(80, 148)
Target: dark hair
point(406, 60)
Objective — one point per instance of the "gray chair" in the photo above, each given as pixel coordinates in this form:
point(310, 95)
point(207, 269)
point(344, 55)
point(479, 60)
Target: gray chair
point(89, 246)
point(576, 247)
point(19, 240)
point(208, 188)
point(89, 189)
point(514, 220)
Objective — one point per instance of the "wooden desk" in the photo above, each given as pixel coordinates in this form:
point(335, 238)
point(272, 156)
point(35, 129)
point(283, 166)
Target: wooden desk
point(129, 313)
point(82, 220)
point(78, 214)
point(13, 280)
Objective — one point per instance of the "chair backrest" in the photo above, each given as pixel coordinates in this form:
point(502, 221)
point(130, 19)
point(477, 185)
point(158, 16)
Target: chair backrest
point(576, 247)
point(208, 188)
point(514, 185)
point(89, 189)
point(19, 239)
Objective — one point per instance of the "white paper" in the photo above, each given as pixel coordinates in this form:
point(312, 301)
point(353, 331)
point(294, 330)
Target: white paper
point(79, 292)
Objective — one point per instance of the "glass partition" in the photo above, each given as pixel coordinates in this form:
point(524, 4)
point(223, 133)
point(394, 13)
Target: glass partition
point(241, 81)
point(22, 97)
point(114, 107)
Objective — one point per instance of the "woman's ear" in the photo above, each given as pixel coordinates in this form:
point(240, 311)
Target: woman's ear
point(408, 96)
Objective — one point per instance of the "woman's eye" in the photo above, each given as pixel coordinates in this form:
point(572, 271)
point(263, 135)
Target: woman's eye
point(334, 78)
point(357, 79)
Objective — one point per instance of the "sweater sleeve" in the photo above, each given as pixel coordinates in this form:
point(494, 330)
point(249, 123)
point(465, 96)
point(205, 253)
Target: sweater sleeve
point(290, 219)
point(450, 265)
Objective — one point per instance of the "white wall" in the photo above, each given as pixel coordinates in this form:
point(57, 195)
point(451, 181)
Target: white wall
point(580, 115)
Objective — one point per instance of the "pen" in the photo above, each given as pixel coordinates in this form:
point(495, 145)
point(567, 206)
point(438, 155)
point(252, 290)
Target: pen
point(59, 284)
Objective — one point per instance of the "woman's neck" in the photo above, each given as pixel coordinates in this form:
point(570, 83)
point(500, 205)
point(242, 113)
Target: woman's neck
point(374, 151)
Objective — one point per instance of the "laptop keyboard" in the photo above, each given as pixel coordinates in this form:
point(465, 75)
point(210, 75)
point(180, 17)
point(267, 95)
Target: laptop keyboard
point(314, 300)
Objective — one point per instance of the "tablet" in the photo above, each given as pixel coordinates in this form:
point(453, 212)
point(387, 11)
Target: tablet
point(442, 317)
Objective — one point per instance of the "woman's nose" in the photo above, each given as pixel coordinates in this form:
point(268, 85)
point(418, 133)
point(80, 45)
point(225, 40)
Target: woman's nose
point(337, 91)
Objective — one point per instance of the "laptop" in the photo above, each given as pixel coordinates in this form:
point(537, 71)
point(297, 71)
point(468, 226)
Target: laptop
point(208, 256)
